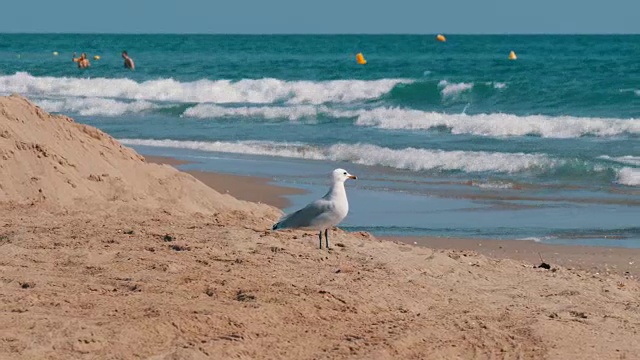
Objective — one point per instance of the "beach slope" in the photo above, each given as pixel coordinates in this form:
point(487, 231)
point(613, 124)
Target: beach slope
point(103, 255)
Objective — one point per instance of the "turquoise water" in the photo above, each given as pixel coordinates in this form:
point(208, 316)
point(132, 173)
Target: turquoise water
point(449, 139)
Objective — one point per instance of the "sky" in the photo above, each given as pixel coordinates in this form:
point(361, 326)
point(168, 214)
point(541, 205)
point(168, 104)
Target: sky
point(322, 16)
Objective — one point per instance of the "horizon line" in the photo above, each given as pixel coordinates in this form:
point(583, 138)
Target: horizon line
point(321, 34)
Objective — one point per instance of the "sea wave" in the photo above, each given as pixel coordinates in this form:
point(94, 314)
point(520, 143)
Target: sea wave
point(293, 113)
point(493, 184)
point(96, 106)
point(536, 238)
point(453, 89)
point(494, 125)
point(629, 176)
point(258, 91)
point(435, 92)
point(372, 155)
point(635, 91)
point(627, 159)
point(497, 124)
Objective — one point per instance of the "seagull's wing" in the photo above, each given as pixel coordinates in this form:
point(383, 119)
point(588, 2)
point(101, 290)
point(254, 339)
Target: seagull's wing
point(312, 215)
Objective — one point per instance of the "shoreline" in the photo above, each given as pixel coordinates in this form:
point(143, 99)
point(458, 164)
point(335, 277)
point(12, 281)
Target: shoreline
point(248, 188)
point(595, 259)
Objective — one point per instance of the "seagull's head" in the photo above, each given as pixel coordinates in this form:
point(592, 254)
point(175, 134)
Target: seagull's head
point(341, 175)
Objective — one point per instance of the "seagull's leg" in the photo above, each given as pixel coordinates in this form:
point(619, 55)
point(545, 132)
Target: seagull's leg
point(326, 237)
point(320, 239)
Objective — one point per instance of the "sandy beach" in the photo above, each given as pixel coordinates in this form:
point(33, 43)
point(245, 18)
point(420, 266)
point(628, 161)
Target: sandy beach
point(597, 260)
point(104, 254)
point(247, 188)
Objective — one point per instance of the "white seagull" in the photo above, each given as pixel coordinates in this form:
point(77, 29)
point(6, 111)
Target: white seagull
point(323, 213)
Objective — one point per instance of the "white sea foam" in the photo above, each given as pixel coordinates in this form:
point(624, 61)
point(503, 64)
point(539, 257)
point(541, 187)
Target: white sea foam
point(259, 91)
point(494, 124)
point(496, 85)
point(629, 176)
point(293, 113)
point(95, 106)
point(627, 159)
point(635, 91)
point(266, 148)
point(537, 239)
point(498, 125)
point(366, 154)
point(493, 185)
point(453, 89)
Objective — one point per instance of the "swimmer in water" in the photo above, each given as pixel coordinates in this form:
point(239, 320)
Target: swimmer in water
point(128, 62)
point(82, 61)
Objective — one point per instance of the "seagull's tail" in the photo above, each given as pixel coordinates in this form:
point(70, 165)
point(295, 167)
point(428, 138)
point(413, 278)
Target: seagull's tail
point(275, 226)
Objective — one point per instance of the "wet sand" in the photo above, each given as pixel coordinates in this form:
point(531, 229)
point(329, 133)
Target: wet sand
point(603, 260)
point(248, 188)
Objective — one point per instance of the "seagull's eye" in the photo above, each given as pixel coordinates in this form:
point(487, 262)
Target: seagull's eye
point(345, 173)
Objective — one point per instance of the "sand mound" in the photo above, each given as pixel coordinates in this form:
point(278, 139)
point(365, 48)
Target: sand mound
point(51, 159)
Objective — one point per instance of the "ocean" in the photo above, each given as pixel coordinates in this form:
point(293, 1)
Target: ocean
point(447, 139)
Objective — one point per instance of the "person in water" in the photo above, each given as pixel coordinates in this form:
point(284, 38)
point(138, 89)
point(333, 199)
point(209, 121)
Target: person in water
point(82, 61)
point(128, 62)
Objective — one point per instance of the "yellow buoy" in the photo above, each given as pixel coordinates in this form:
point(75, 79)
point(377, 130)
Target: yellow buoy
point(360, 59)
point(97, 57)
point(441, 38)
point(55, 53)
point(512, 55)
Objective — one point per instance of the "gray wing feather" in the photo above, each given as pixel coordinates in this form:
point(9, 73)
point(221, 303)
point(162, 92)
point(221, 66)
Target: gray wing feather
point(309, 216)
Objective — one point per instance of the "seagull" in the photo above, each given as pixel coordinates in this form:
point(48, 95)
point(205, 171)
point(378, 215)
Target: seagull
point(323, 213)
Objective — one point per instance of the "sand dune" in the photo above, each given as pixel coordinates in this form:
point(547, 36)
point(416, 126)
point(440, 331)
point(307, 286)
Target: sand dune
point(53, 160)
point(120, 259)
